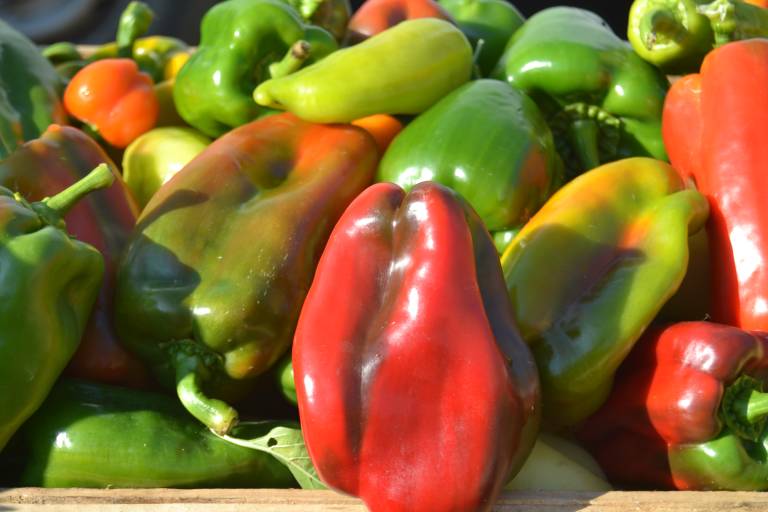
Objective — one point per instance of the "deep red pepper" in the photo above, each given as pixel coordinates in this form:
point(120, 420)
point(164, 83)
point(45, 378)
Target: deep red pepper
point(714, 130)
point(415, 389)
point(103, 219)
point(686, 411)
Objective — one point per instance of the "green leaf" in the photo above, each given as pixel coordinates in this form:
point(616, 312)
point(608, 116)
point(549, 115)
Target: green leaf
point(284, 441)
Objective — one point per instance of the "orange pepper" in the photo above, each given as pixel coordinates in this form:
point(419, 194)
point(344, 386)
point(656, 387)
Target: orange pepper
point(115, 97)
point(383, 127)
point(759, 3)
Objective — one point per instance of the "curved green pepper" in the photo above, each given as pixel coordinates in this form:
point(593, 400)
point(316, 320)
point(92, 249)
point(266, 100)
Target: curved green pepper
point(601, 99)
point(94, 435)
point(29, 91)
point(488, 142)
point(48, 285)
point(402, 70)
point(492, 21)
point(242, 43)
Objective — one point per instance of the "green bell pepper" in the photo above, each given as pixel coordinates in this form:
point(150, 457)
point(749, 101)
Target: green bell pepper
point(402, 70)
point(488, 142)
point(492, 21)
point(242, 43)
point(676, 35)
point(589, 272)
point(94, 435)
point(48, 285)
point(601, 99)
point(29, 91)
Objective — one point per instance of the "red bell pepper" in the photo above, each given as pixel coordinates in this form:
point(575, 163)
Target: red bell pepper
point(714, 131)
point(103, 219)
point(687, 411)
point(376, 16)
point(415, 390)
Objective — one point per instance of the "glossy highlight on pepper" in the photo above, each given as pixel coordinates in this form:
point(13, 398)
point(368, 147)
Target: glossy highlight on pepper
point(712, 127)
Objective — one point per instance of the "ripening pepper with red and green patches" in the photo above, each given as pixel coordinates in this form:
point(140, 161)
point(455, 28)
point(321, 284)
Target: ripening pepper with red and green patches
point(210, 287)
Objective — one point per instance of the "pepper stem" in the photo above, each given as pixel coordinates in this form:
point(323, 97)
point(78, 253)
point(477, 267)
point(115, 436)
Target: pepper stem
point(297, 54)
point(744, 408)
point(213, 413)
point(583, 134)
point(661, 24)
point(476, 58)
point(134, 23)
point(61, 203)
point(757, 406)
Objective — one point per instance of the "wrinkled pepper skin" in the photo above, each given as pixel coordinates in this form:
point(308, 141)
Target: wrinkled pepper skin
point(377, 76)
point(375, 16)
point(493, 21)
point(48, 284)
point(624, 228)
point(104, 219)
point(239, 41)
point(123, 438)
point(488, 142)
point(676, 35)
point(406, 279)
point(687, 411)
point(712, 129)
point(603, 102)
point(29, 91)
point(212, 282)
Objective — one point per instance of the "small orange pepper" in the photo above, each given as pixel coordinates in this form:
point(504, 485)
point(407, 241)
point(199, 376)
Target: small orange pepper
point(383, 127)
point(759, 3)
point(115, 97)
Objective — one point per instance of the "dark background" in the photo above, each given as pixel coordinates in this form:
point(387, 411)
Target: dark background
point(94, 21)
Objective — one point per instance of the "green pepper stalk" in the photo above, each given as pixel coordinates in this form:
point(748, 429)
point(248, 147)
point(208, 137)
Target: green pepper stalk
point(675, 35)
point(134, 22)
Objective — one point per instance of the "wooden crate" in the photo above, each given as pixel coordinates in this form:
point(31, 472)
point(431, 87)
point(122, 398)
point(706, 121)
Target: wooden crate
point(242, 500)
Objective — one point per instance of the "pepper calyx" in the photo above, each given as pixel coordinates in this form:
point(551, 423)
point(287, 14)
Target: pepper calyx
point(744, 408)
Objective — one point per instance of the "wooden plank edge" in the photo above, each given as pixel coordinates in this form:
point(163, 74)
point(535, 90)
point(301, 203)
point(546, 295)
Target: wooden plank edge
point(294, 499)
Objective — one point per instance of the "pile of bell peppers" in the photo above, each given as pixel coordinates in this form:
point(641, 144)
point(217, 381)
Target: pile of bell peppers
point(419, 253)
